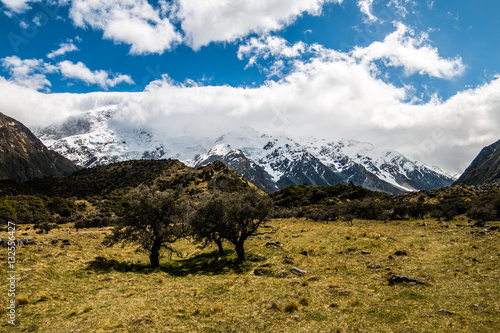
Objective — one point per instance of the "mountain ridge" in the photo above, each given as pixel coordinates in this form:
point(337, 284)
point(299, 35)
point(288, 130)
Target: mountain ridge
point(269, 161)
point(23, 156)
point(484, 169)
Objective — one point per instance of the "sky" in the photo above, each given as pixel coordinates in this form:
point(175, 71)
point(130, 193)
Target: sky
point(417, 76)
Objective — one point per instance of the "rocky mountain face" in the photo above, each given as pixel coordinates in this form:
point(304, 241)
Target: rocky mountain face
point(485, 169)
point(269, 161)
point(23, 156)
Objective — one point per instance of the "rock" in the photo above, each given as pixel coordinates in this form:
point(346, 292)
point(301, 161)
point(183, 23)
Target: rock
point(400, 253)
point(304, 253)
point(445, 312)
point(296, 236)
point(480, 223)
point(298, 271)
point(304, 230)
point(373, 266)
point(288, 261)
point(396, 279)
point(493, 228)
point(54, 241)
point(274, 244)
point(426, 224)
point(365, 252)
point(391, 258)
point(66, 242)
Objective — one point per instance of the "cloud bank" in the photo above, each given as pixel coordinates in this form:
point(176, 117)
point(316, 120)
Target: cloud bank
point(327, 94)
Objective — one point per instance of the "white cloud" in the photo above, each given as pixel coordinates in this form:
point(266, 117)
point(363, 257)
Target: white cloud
point(134, 22)
point(269, 46)
point(63, 49)
point(31, 73)
point(366, 7)
point(28, 72)
point(18, 6)
point(206, 21)
point(403, 49)
point(101, 78)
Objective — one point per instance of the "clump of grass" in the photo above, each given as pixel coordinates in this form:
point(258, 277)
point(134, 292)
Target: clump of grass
point(42, 297)
point(217, 308)
point(304, 301)
point(23, 299)
point(291, 306)
point(276, 306)
point(332, 284)
point(87, 309)
point(354, 302)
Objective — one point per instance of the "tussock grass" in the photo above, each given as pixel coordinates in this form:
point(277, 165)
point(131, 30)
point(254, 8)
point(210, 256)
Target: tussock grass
point(86, 287)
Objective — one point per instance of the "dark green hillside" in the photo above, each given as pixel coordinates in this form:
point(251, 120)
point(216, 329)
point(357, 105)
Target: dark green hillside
point(485, 169)
point(311, 195)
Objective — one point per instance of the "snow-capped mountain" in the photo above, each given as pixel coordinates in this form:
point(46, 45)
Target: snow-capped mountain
point(270, 162)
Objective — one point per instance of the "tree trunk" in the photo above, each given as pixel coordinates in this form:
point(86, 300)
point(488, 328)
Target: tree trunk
point(154, 256)
point(219, 245)
point(240, 250)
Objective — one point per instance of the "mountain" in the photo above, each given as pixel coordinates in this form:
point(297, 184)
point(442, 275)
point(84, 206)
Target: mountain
point(23, 156)
point(485, 169)
point(269, 161)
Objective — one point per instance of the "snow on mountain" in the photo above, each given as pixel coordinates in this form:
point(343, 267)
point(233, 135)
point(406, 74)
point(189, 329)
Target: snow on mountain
point(269, 161)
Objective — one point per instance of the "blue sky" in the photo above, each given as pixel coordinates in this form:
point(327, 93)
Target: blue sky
point(419, 76)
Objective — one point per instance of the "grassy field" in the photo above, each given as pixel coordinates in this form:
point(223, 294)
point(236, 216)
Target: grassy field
point(85, 287)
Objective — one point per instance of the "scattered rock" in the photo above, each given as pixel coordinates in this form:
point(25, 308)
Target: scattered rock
point(396, 279)
point(347, 237)
point(493, 228)
point(298, 271)
point(274, 244)
point(365, 252)
point(445, 312)
point(480, 223)
point(400, 253)
point(288, 261)
point(304, 253)
point(296, 236)
point(54, 241)
point(257, 258)
point(426, 224)
point(373, 266)
point(66, 242)
point(304, 230)
point(391, 258)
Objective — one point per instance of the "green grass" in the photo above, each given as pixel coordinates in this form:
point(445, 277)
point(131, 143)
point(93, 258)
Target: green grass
point(86, 287)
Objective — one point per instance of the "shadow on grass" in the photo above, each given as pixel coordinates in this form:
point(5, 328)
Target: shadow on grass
point(203, 264)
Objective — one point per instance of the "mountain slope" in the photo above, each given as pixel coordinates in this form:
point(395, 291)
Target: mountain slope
point(485, 168)
point(23, 156)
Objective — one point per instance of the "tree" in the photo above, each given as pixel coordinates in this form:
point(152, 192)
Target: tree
point(207, 222)
point(153, 220)
point(234, 217)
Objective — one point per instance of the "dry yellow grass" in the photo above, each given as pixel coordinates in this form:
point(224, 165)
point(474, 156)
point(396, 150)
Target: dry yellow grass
point(86, 287)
